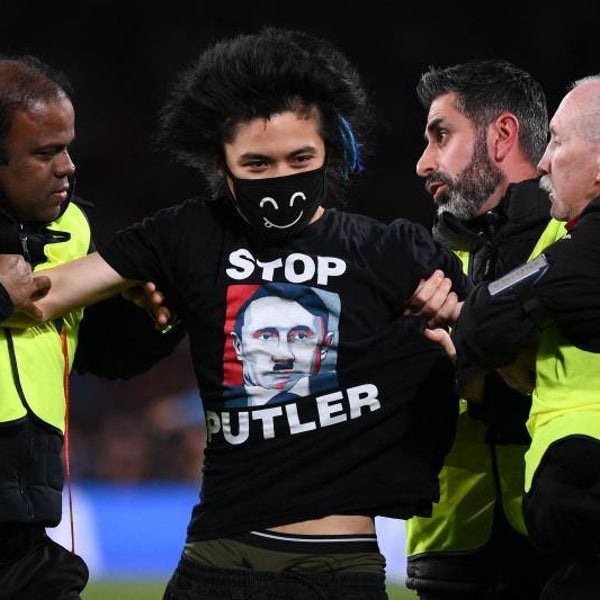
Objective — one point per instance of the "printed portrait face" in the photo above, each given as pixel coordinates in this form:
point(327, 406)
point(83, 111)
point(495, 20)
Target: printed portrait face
point(281, 342)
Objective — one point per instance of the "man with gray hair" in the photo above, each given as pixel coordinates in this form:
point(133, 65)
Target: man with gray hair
point(557, 309)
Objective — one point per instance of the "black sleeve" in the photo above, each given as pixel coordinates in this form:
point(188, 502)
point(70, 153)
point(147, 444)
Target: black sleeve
point(117, 340)
point(6, 304)
point(9, 239)
point(570, 290)
point(427, 255)
point(135, 252)
point(492, 330)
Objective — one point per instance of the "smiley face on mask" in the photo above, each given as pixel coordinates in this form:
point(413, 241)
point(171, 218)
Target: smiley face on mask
point(279, 207)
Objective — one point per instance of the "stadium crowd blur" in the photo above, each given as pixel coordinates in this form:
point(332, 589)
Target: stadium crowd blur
point(148, 428)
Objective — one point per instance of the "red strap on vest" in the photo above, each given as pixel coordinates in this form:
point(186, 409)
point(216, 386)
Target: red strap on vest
point(66, 372)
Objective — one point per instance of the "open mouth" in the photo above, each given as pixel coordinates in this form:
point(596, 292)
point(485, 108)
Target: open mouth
point(437, 191)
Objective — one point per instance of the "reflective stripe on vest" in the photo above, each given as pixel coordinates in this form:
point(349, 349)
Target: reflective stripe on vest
point(32, 370)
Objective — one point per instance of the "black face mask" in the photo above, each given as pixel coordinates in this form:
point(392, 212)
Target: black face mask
point(279, 207)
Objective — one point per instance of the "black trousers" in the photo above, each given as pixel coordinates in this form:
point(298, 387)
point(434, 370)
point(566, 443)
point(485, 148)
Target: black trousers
point(34, 567)
point(192, 581)
point(562, 513)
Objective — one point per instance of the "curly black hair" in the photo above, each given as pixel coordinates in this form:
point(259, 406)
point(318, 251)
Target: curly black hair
point(256, 76)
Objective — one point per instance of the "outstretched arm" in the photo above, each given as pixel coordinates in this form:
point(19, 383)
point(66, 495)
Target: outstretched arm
point(73, 285)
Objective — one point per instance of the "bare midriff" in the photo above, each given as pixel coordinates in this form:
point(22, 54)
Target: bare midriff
point(331, 525)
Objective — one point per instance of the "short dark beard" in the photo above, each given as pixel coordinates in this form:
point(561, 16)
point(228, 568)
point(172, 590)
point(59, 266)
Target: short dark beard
point(473, 186)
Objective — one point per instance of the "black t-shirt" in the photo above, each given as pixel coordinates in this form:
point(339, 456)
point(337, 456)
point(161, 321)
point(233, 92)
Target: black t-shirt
point(320, 397)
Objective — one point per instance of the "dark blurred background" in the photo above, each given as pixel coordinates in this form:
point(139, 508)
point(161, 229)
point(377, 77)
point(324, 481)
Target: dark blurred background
point(122, 57)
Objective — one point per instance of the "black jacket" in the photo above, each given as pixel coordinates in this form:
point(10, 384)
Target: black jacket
point(491, 331)
point(499, 241)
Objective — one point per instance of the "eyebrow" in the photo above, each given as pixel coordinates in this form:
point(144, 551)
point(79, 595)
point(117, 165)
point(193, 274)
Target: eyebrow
point(51, 147)
point(303, 150)
point(259, 155)
point(434, 125)
point(252, 156)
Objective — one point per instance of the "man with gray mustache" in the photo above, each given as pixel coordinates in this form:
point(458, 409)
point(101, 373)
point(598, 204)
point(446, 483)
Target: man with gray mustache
point(559, 315)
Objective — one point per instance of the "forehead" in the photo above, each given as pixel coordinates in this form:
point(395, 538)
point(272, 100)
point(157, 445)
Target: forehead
point(443, 112)
point(574, 107)
point(273, 311)
point(281, 133)
point(43, 123)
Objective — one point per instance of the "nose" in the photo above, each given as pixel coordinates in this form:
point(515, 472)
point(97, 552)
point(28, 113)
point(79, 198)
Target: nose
point(425, 164)
point(65, 167)
point(283, 351)
point(543, 166)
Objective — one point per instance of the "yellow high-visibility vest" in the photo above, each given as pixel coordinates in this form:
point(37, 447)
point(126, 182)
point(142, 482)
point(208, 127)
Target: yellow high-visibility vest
point(566, 398)
point(462, 519)
point(35, 360)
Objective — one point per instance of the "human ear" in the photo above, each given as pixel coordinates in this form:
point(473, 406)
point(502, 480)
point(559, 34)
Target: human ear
point(504, 134)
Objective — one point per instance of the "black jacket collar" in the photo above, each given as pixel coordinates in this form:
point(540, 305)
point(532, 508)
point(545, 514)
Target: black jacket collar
point(523, 205)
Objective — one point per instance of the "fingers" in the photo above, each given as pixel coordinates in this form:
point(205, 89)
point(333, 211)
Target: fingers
point(434, 300)
point(41, 286)
point(24, 289)
point(155, 304)
point(426, 292)
point(9, 261)
point(457, 311)
point(445, 312)
point(149, 287)
point(415, 302)
point(144, 296)
point(156, 298)
point(147, 297)
point(437, 292)
point(162, 317)
point(442, 337)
